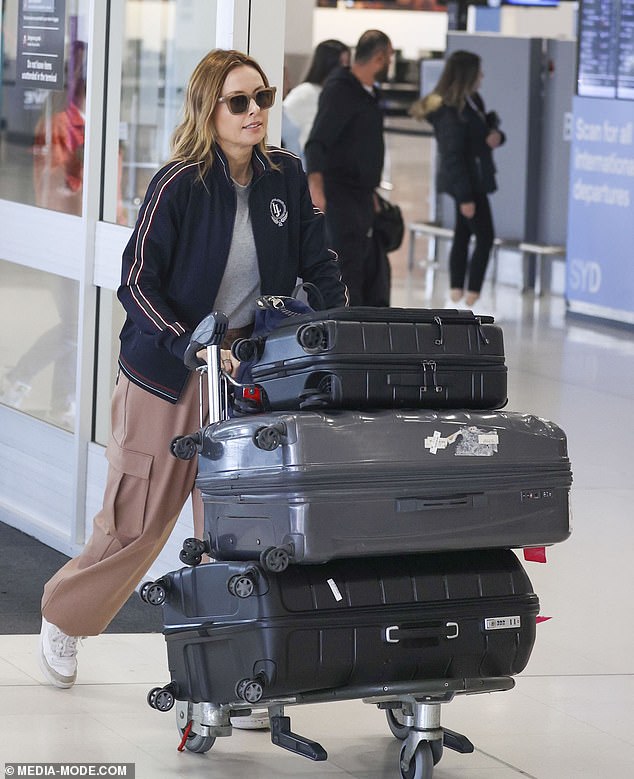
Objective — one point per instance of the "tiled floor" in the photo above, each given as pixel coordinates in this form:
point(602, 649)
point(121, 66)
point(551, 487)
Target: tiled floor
point(570, 715)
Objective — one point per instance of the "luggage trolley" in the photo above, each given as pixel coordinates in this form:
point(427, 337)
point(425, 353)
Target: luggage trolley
point(413, 709)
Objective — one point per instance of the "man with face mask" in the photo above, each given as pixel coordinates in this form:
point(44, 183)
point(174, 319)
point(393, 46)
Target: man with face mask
point(344, 160)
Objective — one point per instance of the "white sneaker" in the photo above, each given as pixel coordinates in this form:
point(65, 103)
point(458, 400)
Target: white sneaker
point(257, 720)
point(58, 655)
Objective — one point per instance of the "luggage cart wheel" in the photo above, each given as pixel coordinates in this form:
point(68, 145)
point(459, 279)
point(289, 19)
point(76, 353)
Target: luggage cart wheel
point(153, 593)
point(194, 742)
point(192, 551)
point(250, 690)
point(421, 765)
point(275, 559)
point(161, 698)
point(396, 724)
point(241, 585)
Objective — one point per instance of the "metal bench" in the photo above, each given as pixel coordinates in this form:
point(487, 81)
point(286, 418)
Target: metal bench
point(544, 254)
point(438, 232)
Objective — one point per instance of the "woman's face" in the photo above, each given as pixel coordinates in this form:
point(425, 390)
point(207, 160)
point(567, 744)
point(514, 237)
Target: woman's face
point(237, 132)
point(478, 81)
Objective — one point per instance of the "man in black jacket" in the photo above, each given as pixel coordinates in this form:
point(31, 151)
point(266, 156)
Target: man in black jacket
point(344, 159)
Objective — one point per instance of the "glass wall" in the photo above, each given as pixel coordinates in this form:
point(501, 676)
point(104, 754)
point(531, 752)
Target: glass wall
point(42, 100)
point(38, 343)
point(162, 43)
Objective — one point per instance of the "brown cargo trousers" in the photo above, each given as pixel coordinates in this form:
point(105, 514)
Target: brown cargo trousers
point(146, 489)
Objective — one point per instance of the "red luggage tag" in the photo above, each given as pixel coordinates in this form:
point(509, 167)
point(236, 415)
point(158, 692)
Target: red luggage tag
point(539, 619)
point(535, 554)
point(253, 393)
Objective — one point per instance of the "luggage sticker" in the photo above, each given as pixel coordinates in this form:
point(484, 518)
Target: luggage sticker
point(470, 441)
point(335, 590)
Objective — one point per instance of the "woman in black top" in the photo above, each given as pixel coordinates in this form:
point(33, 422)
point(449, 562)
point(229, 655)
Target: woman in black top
point(466, 136)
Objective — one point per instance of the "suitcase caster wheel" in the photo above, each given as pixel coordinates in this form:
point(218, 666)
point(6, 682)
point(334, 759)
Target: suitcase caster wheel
point(250, 690)
point(312, 338)
point(244, 349)
point(267, 438)
point(422, 763)
point(160, 698)
point(241, 585)
point(192, 551)
point(153, 593)
point(395, 724)
point(275, 559)
point(184, 447)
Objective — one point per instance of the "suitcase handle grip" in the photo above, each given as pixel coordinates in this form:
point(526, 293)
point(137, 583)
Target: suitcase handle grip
point(395, 634)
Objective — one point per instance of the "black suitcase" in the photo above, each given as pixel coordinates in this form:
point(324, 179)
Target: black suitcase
point(307, 487)
point(235, 633)
point(380, 358)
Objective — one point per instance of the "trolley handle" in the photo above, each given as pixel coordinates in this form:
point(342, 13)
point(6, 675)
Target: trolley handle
point(208, 335)
point(209, 332)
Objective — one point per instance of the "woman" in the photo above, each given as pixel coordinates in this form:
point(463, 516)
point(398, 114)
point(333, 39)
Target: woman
point(466, 137)
point(226, 220)
point(300, 105)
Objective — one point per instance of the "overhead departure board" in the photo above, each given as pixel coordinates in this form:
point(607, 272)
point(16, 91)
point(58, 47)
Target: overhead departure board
point(625, 73)
point(598, 54)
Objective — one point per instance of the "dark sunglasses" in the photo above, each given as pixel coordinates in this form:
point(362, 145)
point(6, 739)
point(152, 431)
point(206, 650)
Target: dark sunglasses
point(239, 102)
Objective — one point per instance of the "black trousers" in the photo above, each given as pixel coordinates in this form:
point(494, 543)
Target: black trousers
point(349, 217)
point(480, 226)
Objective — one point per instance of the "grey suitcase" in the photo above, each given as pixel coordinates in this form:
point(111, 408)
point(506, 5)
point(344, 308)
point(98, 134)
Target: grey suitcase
point(307, 487)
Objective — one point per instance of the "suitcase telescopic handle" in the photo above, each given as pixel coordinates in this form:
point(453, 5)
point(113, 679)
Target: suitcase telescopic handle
point(395, 633)
point(208, 335)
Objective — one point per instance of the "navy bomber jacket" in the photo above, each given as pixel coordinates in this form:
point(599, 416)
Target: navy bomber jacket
point(176, 257)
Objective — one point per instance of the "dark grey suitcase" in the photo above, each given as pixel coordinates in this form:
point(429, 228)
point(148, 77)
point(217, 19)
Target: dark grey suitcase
point(380, 358)
point(307, 487)
point(345, 624)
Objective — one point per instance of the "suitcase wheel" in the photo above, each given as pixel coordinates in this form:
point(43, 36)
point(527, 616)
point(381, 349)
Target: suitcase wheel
point(269, 438)
point(312, 338)
point(241, 585)
point(275, 559)
point(161, 698)
point(153, 593)
point(192, 551)
point(244, 349)
point(250, 690)
point(185, 447)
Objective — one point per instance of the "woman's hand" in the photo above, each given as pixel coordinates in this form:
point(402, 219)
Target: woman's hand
point(467, 210)
point(494, 139)
point(228, 362)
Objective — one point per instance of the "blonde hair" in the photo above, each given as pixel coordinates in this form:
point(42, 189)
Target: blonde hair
point(457, 81)
point(195, 137)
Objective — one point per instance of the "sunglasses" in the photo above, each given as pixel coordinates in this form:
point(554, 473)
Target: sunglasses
point(239, 102)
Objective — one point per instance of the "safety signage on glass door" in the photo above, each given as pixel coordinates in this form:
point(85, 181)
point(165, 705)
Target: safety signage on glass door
point(41, 25)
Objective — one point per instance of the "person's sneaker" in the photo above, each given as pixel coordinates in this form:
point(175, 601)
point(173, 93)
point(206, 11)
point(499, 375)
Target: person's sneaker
point(58, 655)
point(12, 393)
point(257, 720)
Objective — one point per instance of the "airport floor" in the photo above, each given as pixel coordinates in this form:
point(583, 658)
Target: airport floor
point(570, 715)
